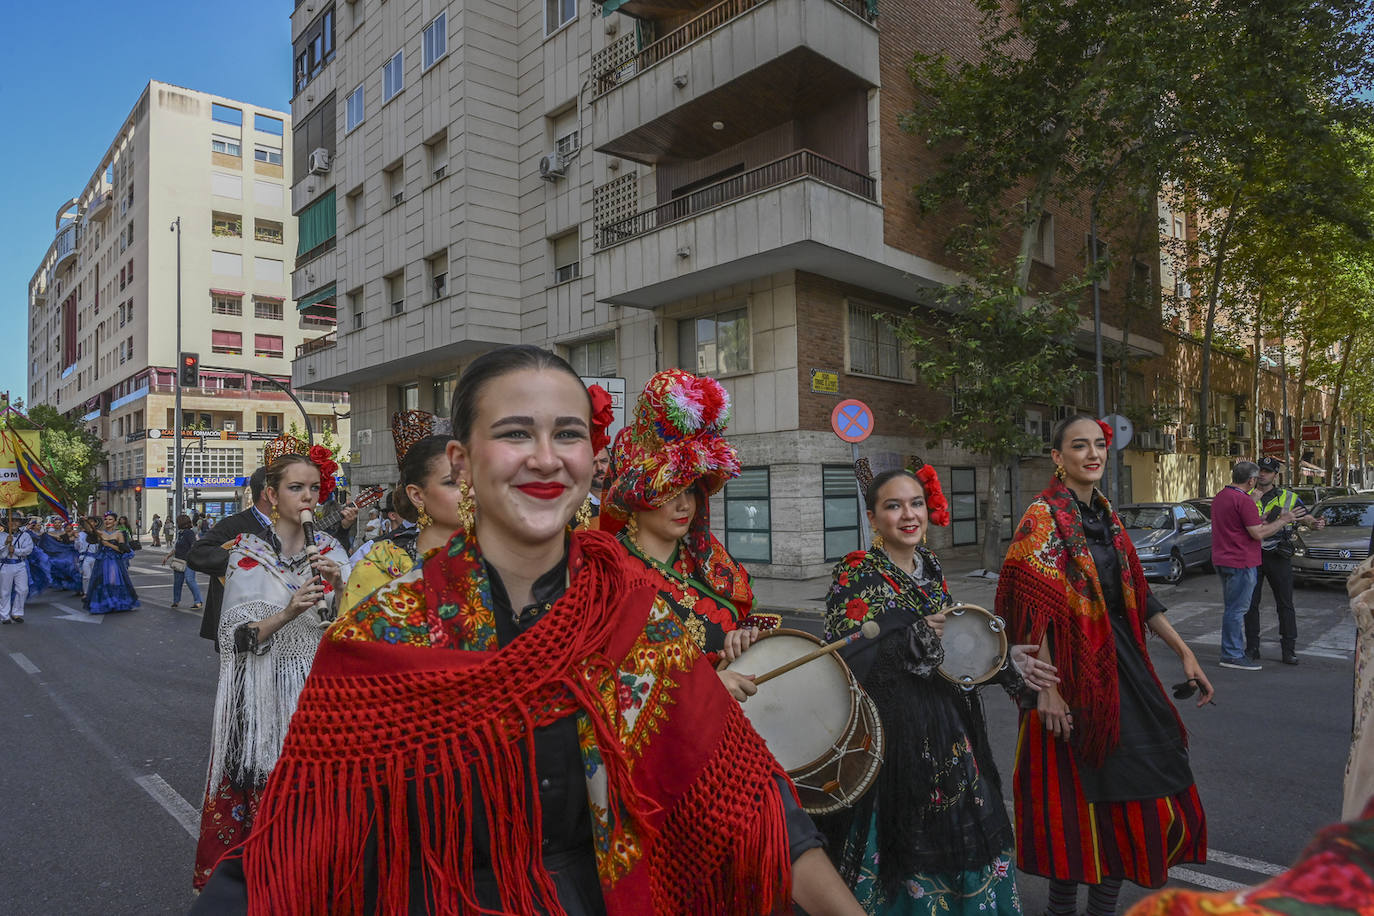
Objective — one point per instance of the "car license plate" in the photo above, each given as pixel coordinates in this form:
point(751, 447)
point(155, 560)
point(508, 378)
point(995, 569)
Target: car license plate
point(1339, 567)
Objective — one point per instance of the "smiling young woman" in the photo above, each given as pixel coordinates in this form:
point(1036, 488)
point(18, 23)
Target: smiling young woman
point(519, 723)
point(1104, 791)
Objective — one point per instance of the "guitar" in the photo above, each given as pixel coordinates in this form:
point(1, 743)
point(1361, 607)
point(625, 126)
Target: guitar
point(328, 516)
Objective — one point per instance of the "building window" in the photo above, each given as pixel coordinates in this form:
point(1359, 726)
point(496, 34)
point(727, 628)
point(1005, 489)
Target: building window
point(226, 115)
point(268, 154)
point(567, 263)
point(395, 175)
point(875, 348)
point(229, 343)
point(314, 49)
point(437, 267)
point(354, 115)
point(226, 145)
point(355, 308)
point(594, 358)
point(748, 519)
point(268, 309)
point(558, 13)
point(436, 40)
point(443, 394)
point(268, 345)
point(963, 505)
point(840, 510)
point(393, 76)
point(226, 305)
point(266, 230)
point(268, 125)
point(567, 144)
point(226, 225)
point(1042, 248)
point(269, 422)
point(270, 269)
point(715, 344)
point(436, 155)
point(396, 292)
point(409, 396)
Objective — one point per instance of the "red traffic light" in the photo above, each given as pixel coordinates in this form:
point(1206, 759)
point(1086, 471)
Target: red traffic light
point(188, 360)
point(138, 488)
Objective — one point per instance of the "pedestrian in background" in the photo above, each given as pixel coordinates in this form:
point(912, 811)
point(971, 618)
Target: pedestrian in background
point(156, 530)
point(1237, 531)
point(186, 539)
point(211, 552)
point(15, 546)
point(87, 543)
point(1276, 564)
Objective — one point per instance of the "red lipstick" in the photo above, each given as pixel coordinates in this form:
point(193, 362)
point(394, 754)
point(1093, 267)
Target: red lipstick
point(543, 490)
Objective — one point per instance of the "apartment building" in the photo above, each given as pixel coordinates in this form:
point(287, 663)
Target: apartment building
point(103, 302)
point(721, 186)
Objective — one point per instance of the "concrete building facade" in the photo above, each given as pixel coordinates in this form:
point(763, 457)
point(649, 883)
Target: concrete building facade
point(103, 302)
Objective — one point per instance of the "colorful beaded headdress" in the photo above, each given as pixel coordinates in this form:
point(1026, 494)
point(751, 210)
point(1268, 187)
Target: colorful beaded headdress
point(285, 444)
point(319, 455)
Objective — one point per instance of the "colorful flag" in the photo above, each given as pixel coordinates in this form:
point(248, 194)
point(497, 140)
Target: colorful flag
point(24, 445)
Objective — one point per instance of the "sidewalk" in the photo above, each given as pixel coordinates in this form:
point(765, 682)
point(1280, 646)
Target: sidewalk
point(806, 597)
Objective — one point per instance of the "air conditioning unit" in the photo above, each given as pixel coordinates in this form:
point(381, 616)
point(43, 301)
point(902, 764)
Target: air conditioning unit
point(1168, 443)
point(320, 161)
point(552, 167)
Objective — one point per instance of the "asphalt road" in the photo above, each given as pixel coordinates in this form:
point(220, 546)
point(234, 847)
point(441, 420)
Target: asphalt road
point(106, 736)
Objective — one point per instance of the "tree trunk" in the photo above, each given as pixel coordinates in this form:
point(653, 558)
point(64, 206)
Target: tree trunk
point(1213, 300)
point(1285, 420)
point(1302, 389)
point(992, 515)
point(1255, 377)
point(1335, 415)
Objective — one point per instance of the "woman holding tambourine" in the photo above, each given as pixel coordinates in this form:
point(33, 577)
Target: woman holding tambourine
point(932, 835)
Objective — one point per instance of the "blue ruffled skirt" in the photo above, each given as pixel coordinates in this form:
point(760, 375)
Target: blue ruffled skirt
point(111, 588)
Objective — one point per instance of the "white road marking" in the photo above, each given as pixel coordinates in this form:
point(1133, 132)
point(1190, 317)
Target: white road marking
point(1188, 610)
point(185, 813)
point(1202, 880)
point(23, 662)
point(1245, 862)
point(80, 616)
point(1340, 636)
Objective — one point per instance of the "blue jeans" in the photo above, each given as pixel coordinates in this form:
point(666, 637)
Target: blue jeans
point(1237, 586)
point(189, 577)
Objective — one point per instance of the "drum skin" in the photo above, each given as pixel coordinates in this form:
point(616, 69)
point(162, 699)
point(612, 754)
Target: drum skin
point(975, 644)
point(816, 720)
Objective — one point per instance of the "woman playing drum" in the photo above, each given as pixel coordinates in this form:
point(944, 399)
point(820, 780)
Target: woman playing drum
point(519, 724)
point(665, 466)
point(932, 835)
point(1103, 787)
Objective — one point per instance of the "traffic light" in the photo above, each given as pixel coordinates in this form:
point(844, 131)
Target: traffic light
point(190, 370)
point(138, 488)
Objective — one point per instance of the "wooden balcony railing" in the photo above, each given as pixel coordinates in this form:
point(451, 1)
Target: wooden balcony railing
point(317, 344)
point(709, 20)
point(801, 164)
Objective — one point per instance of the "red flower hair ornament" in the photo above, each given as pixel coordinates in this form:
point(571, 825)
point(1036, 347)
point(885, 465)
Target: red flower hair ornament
point(603, 415)
point(936, 504)
point(323, 459)
point(1107, 432)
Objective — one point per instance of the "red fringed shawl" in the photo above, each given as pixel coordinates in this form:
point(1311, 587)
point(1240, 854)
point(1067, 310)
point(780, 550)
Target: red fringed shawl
point(692, 819)
point(1049, 582)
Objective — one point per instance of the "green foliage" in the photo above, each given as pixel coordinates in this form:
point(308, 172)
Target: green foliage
point(69, 452)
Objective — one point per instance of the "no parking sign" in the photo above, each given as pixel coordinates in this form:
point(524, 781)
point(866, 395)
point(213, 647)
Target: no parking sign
point(852, 421)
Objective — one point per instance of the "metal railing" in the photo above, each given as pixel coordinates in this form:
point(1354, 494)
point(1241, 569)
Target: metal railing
point(259, 393)
point(708, 21)
point(316, 344)
point(801, 164)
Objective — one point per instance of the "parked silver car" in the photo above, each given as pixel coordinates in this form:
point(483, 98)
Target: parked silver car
point(1333, 552)
point(1170, 538)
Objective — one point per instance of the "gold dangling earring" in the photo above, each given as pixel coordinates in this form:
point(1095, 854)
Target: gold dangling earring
point(423, 521)
point(276, 516)
point(467, 506)
point(878, 540)
point(632, 528)
point(583, 518)
point(1059, 473)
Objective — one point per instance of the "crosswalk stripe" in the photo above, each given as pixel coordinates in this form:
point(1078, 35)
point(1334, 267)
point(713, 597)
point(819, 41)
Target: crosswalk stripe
point(1211, 882)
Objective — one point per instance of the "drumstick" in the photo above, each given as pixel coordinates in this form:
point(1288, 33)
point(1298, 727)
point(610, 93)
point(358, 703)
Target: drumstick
point(869, 630)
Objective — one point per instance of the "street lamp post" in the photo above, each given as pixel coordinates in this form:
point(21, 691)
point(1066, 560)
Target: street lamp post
point(178, 464)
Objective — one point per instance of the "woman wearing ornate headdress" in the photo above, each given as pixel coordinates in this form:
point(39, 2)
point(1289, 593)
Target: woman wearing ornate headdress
point(1103, 788)
point(519, 724)
point(110, 588)
point(665, 467)
point(932, 835)
point(426, 497)
point(278, 598)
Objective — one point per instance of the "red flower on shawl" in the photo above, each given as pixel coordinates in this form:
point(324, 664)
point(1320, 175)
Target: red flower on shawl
point(1326, 879)
point(936, 503)
point(603, 415)
point(855, 609)
point(247, 562)
point(1107, 432)
point(323, 459)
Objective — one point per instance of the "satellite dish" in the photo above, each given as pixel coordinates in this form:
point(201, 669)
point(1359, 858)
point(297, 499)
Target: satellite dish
point(1122, 430)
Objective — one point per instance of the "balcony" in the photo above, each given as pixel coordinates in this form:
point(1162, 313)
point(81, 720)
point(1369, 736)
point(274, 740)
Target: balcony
point(317, 344)
point(314, 274)
point(738, 68)
point(100, 205)
point(65, 244)
point(802, 211)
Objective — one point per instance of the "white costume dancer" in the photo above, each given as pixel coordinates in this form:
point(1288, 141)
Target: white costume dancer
point(14, 575)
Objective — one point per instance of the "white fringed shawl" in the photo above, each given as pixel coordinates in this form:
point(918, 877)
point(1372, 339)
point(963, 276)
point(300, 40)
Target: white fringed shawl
point(258, 690)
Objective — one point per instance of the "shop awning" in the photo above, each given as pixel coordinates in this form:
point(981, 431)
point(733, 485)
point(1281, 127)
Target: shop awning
point(315, 298)
point(316, 225)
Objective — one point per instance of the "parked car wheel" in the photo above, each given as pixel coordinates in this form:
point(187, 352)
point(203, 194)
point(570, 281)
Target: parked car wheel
point(1176, 568)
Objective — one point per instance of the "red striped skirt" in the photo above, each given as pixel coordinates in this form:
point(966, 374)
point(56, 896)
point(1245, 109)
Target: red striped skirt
point(1059, 834)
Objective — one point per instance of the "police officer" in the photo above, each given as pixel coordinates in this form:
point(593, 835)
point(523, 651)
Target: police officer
point(1276, 564)
point(15, 546)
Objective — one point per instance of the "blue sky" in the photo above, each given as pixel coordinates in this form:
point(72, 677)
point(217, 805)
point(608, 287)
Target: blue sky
point(73, 70)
